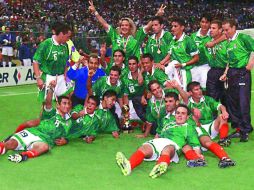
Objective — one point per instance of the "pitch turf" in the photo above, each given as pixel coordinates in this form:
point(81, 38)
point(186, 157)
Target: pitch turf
point(92, 166)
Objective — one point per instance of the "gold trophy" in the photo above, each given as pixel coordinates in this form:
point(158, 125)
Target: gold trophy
point(126, 127)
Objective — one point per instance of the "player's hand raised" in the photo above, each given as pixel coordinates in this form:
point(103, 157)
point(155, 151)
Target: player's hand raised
point(91, 8)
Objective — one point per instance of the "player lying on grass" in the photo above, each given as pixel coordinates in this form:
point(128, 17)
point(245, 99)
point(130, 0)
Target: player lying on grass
point(203, 108)
point(85, 123)
point(38, 140)
point(175, 134)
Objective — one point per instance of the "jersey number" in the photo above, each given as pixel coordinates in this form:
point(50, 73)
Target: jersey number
point(23, 134)
point(132, 89)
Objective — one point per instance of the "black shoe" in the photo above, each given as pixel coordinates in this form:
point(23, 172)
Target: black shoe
point(224, 142)
point(235, 134)
point(226, 162)
point(244, 137)
point(196, 163)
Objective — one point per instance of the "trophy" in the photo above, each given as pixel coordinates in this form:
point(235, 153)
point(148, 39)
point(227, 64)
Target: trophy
point(126, 127)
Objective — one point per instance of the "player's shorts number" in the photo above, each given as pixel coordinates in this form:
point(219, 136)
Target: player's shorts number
point(23, 134)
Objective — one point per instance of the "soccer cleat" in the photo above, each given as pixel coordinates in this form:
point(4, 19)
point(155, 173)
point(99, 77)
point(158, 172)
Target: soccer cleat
point(123, 163)
point(226, 162)
point(224, 142)
point(17, 158)
point(244, 137)
point(235, 134)
point(196, 163)
point(158, 170)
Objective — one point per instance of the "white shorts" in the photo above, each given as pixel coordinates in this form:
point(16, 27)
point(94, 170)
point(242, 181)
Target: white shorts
point(210, 129)
point(133, 114)
point(199, 74)
point(61, 86)
point(172, 73)
point(25, 140)
point(158, 145)
point(6, 50)
point(27, 62)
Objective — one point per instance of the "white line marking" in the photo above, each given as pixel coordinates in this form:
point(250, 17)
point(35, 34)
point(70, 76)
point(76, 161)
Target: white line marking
point(17, 94)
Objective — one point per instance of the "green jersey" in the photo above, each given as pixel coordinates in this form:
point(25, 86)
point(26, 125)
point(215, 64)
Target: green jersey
point(181, 134)
point(183, 50)
point(217, 56)
point(86, 125)
point(158, 48)
point(51, 129)
point(131, 86)
point(207, 106)
point(103, 84)
point(165, 119)
point(200, 42)
point(239, 49)
point(106, 120)
point(48, 114)
point(155, 110)
point(156, 74)
point(131, 45)
point(124, 69)
point(52, 57)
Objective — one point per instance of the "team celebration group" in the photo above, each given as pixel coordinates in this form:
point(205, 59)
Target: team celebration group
point(183, 90)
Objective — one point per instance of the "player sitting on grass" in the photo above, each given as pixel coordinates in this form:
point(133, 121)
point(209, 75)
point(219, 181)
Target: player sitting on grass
point(203, 108)
point(38, 140)
point(174, 136)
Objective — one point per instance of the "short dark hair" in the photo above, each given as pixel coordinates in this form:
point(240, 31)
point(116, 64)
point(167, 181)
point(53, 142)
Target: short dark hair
point(159, 19)
point(179, 20)
point(231, 22)
point(94, 98)
point(207, 16)
point(94, 55)
point(218, 22)
point(59, 27)
point(147, 55)
point(183, 106)
point(151, 83)
point(60, 98)
point(172, 95)
point(191, 85)
point(121, 51)
point(133, 57)
point(116, 68)
point(109, 93)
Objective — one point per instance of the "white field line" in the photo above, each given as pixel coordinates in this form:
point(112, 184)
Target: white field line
point(17, 94)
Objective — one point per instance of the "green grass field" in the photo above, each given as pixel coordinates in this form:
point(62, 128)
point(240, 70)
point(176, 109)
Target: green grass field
point(92, 166)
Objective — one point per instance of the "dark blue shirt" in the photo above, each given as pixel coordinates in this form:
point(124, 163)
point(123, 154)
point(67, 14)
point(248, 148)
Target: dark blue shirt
point(80, 77)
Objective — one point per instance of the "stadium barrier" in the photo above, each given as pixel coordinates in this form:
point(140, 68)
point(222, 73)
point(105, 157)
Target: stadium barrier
point(13, 76)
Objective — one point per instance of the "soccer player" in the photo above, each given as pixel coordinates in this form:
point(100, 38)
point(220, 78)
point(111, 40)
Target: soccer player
point(107, 123)
point(203, 108)
point(118, 57)
point(183, 53)
point(80, 76)
point(155, 109)
point(126, 38)
point(50, 60)
point(158, 44)
point(8, 41)
point(201, 37)
point(217, 59)
point(239, 48)
point(134, 87)
point(85, 123)
point(152, 73)
point(38, 140)
point(165, 150)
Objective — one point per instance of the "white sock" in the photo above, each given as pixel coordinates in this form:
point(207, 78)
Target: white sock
point(4, 63)
point(9, 64)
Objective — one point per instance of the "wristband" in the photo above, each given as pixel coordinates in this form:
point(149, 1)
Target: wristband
point(96, 13)
point(184, 64)
point(37, 77)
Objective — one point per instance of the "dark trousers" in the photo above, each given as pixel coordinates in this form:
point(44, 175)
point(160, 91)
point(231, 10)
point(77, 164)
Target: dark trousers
point(113, 112)
point(139, 108)
point(75, 100)
point(215, 87)
point(238, 97)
